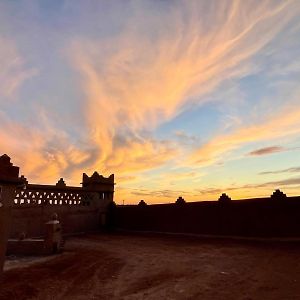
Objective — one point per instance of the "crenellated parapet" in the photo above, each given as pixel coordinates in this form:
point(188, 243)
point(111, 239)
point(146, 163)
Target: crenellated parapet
point(98, 183)
point(96, 190)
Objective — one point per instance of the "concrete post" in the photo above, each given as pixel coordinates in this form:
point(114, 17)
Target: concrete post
point(9, 181)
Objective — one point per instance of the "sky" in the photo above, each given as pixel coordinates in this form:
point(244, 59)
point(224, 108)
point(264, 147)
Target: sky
point(176, 98)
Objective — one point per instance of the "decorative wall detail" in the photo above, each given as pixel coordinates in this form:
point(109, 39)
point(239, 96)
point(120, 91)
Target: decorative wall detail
point(79, 209)
point(33, 197)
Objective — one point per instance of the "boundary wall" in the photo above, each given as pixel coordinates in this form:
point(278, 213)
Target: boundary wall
point(277, 216)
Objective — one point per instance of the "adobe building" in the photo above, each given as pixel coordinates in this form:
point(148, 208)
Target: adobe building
point(25, 208)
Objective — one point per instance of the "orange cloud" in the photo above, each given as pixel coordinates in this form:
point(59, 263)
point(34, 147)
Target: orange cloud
point(134, 82)
point(139, 78)
point(139, 156)
point(46, 155)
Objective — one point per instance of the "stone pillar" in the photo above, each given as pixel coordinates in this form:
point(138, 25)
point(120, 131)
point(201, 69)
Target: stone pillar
point(9, 181)
point(53, 240)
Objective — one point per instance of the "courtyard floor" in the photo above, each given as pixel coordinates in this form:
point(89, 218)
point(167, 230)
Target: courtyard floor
point(123, 266)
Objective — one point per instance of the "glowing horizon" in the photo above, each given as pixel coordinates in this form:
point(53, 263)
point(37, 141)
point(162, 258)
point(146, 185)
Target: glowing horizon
point(175, 98)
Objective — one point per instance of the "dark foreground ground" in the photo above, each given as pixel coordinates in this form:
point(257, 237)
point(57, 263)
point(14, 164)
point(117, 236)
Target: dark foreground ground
point(160, 267)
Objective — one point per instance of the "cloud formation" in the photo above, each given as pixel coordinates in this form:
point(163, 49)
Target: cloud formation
point(145, 74)
point(132, 68)
point(13, 71)
point(270, 185)
point(267, 150)
point(284, 123)
point(288, 170)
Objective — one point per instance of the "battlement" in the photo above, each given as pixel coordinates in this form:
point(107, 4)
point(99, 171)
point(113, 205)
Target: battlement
point(98, 182)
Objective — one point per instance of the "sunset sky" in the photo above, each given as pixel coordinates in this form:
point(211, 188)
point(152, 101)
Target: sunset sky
point(176, 98)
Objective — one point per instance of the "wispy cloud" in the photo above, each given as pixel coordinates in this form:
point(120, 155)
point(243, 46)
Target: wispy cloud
point(166, 193)
point(288, 170)
point(285, 123)
point(13, 71)
point(201, 193)
point(144, 75)
point(267, 150)
point(133, 68)
point(185, 138)
point(284, 182)
point(270, 184)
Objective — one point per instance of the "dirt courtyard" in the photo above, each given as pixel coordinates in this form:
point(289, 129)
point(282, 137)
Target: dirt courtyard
point(122, 266)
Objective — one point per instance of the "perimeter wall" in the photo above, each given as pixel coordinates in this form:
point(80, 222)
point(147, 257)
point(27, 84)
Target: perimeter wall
point(264, 217)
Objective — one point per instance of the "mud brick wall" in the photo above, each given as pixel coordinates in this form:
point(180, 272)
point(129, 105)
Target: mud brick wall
point(79, 209)
point(264, 217)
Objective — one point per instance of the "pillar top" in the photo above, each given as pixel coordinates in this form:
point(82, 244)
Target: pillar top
point(224, 198)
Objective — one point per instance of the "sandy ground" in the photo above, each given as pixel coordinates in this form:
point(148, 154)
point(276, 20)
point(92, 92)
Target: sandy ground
point(156, 267)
